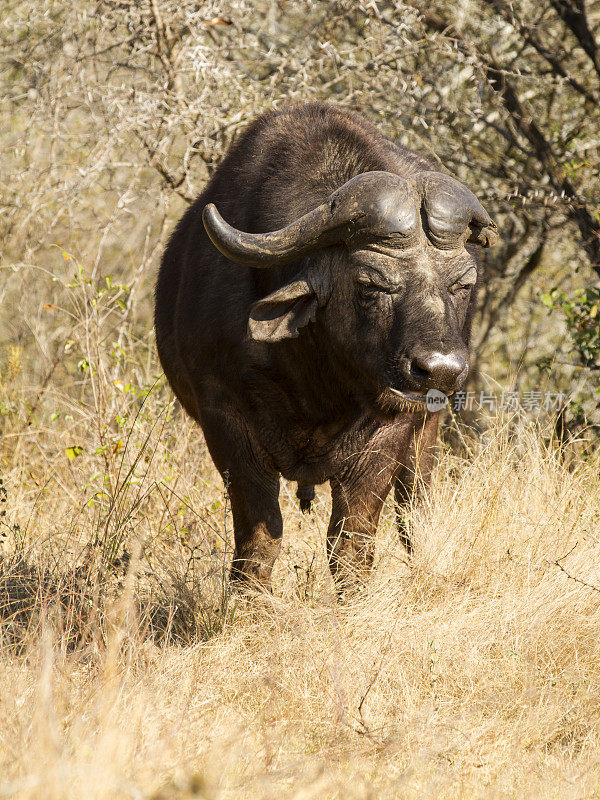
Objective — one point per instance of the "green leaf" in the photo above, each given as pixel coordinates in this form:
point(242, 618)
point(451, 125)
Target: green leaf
point(73, 452)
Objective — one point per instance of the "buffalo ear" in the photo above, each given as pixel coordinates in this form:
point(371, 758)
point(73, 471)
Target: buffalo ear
point(280, 315)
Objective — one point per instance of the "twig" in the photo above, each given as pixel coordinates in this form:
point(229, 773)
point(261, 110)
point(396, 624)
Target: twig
point(569, 575)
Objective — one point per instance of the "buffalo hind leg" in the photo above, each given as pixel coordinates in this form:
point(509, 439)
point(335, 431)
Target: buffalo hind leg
point(415, 474)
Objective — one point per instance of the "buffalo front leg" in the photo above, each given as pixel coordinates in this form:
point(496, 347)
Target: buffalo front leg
point(356, 507)
point(258, 529)
point(415, 473)
point(253, 489)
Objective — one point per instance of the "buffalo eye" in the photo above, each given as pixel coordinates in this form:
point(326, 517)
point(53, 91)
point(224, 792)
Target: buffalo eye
point(372, 297)
point(460, 289)
point(368, 287)
point(370, 290)
point(465, 283)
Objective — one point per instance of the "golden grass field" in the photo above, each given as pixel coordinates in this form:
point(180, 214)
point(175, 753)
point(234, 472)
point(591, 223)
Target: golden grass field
point(471, 672)
point(129, 669)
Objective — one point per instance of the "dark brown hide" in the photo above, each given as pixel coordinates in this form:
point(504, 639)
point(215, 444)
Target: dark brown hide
point(307, 352)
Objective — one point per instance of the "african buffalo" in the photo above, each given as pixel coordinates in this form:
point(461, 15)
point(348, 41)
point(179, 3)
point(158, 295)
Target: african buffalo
point(304, 332)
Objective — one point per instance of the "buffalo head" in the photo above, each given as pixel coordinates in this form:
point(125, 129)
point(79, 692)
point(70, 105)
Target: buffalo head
point(392, 290)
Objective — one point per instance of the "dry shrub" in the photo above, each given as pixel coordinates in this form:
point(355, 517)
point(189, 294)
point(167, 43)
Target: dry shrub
point(471, 671)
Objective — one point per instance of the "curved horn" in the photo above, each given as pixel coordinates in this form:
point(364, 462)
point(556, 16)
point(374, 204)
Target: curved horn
point(454, 215)
point(380, 202)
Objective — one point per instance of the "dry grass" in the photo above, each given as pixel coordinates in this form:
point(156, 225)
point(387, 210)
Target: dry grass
point(132, 672)
point(129, 670)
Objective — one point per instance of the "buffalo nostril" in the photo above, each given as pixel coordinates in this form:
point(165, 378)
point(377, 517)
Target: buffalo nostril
point(443, 371)
point(418, 372)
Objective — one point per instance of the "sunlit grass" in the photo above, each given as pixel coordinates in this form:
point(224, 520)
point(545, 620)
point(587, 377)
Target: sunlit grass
point(471, 671)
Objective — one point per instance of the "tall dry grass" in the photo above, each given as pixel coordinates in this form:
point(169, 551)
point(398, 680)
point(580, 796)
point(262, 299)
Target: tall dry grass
point(130, 670)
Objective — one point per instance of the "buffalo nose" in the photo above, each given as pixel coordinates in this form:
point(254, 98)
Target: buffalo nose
point(439, 371)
